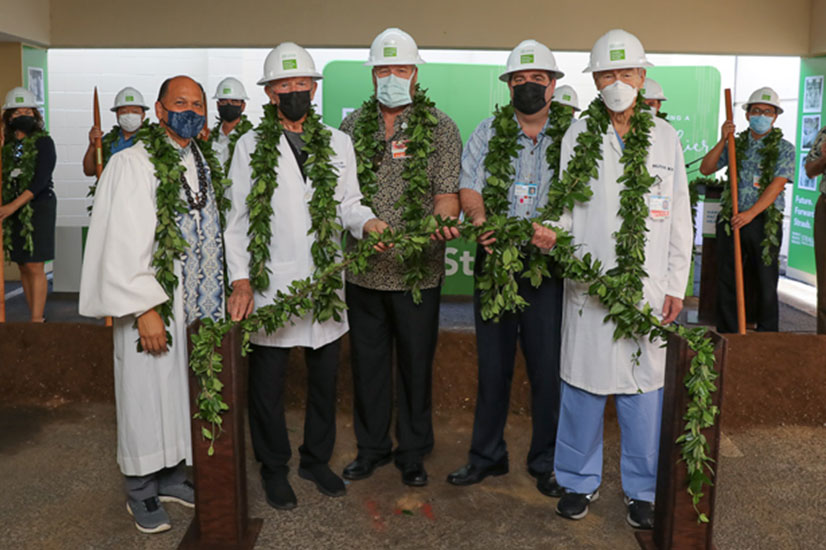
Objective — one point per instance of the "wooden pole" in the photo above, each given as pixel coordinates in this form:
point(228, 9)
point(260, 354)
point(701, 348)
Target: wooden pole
point(2, 252)
point(738, 257)
point(99, 156)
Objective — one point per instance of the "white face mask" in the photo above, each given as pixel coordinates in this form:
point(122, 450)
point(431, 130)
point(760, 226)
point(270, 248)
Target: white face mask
point(618, 96)
point(129, 122)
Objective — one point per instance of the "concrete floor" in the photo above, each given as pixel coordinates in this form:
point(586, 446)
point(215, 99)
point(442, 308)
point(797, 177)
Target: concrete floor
point(62, 489)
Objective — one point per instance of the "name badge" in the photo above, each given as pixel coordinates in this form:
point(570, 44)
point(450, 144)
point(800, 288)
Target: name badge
point(659, 207)
point(756, 182)
point(399, 149)
point(525, 192)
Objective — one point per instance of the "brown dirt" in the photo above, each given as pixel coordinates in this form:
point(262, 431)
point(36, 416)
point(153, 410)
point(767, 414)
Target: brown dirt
point(770, 379)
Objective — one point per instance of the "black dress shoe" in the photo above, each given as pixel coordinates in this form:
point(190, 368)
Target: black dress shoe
point(279, 494)
point(325, 480)
point(547, 485)
point(471, 473)
point(414, 474)
point(362, 467)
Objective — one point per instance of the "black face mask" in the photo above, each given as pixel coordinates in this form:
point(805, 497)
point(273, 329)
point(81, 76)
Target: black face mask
point(25, 124)
point(229, 112)
point(529, 97)
point(294, 105)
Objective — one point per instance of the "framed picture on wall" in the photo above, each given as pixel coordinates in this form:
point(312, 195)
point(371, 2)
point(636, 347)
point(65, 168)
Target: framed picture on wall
point(813, 94)
point(803, 181)
point(810, 126)
point(37, 84)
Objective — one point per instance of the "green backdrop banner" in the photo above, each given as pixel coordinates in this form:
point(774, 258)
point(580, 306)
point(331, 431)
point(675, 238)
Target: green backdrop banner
point(469, 93)
point(811, 117)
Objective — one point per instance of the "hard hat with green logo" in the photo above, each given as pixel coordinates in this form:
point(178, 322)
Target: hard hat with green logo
point(617, 49)
point(18, 98)
point(764, 95)
point(393, 47)
point(531, 55)
point(288, 60)
point(129, 96)
point(230, 88)
point(565, 95)
point(651, 89)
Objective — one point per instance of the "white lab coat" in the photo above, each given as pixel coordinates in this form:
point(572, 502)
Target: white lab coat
point(221, 146)
point(151, 392)
point(290, 256)
point(591, 360)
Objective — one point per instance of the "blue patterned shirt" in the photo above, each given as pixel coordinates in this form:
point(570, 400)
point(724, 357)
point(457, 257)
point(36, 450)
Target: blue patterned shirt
point(532, 173)
point(748, 171)
point(121, 143)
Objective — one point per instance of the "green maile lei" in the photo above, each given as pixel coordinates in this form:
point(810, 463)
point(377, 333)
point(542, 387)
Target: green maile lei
point(499, 289)
point(106, 142)
point(18, 174)
point(170, 244)
point(318, 168)
point(243, 126)
point(773, 217)
point(419, 134)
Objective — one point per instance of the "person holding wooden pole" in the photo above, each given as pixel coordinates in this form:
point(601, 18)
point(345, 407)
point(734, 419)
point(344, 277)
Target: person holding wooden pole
point(130, 110)
point(29, 205)
point(765, 162)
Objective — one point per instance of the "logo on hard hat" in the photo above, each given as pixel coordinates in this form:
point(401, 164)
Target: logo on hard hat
point(566, 97)
point(227, 90)
point(617, 55)
point(766, 96)
point(390, 51)
point(288, 64)
point(526, 58)
point(130, 98)
point(19, 99)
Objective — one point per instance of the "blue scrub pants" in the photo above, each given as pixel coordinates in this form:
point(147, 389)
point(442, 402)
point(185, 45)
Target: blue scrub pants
point(578, 460)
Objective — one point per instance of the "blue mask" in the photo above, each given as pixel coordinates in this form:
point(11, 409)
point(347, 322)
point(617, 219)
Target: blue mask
point(392, 91)
point(760, 124)
point(187, 124)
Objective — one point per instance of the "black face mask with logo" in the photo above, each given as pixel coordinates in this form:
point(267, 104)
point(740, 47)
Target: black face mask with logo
point(529, 97)
point(294, 105)
point(229, 112)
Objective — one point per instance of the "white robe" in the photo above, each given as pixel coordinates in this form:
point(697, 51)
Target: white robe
point(290, 257)
point(221, 146)
point(591, 360)
point(118, 280)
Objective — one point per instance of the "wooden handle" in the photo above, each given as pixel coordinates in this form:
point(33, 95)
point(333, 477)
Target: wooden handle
point(738, 257)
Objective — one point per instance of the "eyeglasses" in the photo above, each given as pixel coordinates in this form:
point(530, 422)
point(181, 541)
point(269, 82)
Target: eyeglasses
point(758, 112)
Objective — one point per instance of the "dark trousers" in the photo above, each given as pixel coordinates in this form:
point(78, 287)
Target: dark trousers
point(820, 261)
point(764, 277)
point(378, 321)
point(537, 328)
point(268, 427)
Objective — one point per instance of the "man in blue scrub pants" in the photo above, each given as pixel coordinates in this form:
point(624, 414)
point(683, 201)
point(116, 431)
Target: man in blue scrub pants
point(593, 364)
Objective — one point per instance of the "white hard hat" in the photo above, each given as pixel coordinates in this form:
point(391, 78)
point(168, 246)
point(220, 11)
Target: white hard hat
point(617, 49)
point(393, 47)
point(230, 88)
point(565, 95)
point(288, 60)
point(129, 96)
point(531, 55)
point(764, 95)
point(651, 89)
point(20, 98)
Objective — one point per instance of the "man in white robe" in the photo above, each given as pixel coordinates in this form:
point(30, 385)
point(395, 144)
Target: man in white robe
point(290, 82)
point(118, 280)
point(593, 364)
